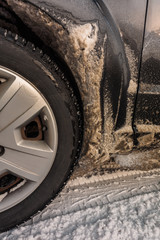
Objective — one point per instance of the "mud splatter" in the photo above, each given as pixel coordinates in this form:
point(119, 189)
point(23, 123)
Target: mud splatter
point(77, 44)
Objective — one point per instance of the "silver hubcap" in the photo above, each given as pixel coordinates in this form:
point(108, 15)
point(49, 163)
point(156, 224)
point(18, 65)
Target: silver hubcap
point(28, 138)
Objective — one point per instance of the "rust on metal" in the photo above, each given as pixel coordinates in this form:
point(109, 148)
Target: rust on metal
point(33, 130)
point(8, 181)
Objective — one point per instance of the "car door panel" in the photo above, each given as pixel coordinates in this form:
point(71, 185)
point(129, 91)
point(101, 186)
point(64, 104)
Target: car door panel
point(147, 118)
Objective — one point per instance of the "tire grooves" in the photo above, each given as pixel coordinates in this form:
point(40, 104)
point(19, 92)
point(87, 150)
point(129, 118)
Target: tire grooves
point(75, 109)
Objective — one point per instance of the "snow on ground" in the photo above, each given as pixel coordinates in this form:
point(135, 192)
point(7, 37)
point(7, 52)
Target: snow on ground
point(98, 209)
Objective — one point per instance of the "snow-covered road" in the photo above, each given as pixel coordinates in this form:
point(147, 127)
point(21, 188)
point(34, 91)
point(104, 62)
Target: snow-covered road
point(98, 208)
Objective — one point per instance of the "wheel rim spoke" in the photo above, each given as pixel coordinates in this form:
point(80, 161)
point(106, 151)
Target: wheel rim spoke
point(10, 129)
point(7, 90)
point(21, 106)
point(26, 166)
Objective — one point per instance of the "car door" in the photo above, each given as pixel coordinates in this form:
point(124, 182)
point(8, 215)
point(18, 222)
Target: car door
point(147, 115)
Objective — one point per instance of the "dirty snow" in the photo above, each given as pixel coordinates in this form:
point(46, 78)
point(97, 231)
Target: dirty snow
point(98, 209)
point(87, 34)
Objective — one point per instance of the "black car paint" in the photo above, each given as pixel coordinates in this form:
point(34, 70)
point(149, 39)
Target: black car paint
point(131, 24)
point(116, 69)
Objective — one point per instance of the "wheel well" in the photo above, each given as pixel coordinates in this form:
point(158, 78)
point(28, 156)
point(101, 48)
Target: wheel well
point(79, 47)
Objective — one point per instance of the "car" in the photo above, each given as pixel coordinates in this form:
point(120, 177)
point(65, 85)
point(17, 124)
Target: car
point(79, 82)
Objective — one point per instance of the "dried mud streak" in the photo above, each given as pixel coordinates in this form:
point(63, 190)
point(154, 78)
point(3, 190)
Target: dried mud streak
point(77, 45)
point(133, 85)
point(124, 136)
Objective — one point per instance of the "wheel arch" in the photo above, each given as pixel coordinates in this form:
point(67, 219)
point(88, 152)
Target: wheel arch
point(81, 44)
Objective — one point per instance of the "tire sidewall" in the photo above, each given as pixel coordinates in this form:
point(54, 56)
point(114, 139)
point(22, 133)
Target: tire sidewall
point(27, 63)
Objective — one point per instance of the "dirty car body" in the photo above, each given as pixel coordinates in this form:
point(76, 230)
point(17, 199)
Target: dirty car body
point(109, 52)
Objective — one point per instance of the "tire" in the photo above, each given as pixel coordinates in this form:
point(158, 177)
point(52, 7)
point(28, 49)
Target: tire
point(40, 130)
